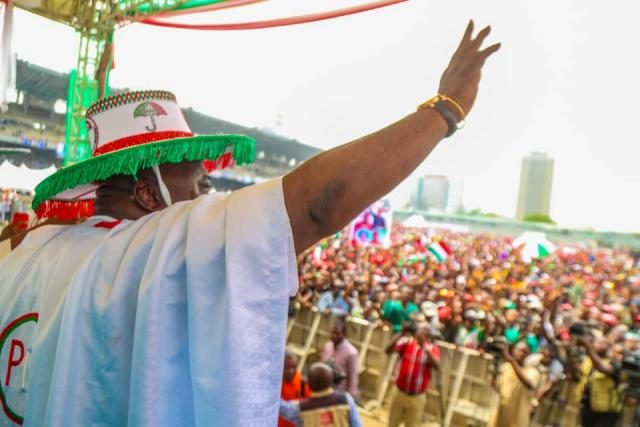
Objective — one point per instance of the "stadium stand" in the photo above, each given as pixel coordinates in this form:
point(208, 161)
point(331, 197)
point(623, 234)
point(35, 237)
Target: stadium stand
point(33, 123)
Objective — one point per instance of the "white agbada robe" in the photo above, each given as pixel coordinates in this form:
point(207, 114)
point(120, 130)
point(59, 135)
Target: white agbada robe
point(5, 248)
point(176, 319)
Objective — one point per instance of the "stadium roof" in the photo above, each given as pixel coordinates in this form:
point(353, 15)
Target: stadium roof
point(51, 85)
point(265, 141)
point(41, 82)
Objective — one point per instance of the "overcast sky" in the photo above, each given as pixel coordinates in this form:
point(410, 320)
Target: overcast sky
point(565, 82)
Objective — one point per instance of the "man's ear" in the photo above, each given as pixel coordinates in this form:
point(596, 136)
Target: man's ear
point(147, 195)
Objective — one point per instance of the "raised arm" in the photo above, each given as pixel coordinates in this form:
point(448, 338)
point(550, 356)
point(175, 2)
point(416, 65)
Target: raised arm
point(326, 192)
point(434, 358)
point(519, 371)
point(598, 362)
point(393, 345)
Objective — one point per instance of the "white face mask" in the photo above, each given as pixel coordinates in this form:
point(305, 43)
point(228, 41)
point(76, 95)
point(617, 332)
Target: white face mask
point(164, 191)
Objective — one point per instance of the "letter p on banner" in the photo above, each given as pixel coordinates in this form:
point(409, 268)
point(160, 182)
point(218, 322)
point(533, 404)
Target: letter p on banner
point(14, 360)
point(14, 353)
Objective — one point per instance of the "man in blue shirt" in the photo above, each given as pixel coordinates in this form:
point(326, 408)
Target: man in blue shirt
point(333, 300)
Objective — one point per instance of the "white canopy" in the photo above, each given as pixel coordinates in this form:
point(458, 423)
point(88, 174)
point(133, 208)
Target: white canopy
point(533, 244)
point(418, 221)
point(415, 221)
point(22, 178)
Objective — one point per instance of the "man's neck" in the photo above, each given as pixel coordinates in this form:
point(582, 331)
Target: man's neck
point(116, 209)
point(110, 213)
point(322, 393)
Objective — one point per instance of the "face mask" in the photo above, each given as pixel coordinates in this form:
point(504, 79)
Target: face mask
point(164, 191)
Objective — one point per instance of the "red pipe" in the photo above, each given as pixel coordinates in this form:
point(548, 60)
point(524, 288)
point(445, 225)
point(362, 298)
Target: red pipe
point(279, 22)
point(218, 6)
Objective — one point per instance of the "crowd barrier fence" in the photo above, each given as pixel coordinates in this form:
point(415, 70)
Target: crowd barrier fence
point(460, 394)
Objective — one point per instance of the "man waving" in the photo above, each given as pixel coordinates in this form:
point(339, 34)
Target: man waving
point(168, 305)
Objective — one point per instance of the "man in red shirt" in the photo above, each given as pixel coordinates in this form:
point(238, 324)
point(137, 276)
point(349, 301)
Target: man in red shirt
point(417, 357)
point(293, 385)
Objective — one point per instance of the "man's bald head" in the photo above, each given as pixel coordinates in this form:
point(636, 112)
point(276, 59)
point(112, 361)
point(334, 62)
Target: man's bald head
point(320, 376)
point(290, 366)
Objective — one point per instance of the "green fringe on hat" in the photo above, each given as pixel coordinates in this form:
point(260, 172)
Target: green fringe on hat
point(129, 161)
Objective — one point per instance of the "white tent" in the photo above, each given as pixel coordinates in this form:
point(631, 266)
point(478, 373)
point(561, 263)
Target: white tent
point(415, 221)
point(533, 244)
point(455, 228)
point(418, 221)
point(22, 178)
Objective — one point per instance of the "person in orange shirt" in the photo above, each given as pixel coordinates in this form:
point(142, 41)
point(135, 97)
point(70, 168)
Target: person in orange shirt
point(293, 385)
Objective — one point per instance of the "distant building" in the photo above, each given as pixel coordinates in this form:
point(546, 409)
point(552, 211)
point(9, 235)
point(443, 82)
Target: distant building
point(432, 193)
point(454, 201)
point(536, 178)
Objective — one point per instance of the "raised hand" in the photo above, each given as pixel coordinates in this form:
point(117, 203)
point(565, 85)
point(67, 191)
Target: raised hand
point(461, 78)
point(319, 204)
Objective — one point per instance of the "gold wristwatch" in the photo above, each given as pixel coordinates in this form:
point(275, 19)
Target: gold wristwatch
point(449, 109)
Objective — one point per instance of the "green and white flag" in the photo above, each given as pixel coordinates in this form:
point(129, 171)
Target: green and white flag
point(440, 251)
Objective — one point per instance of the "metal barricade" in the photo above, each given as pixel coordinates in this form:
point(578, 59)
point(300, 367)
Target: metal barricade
point(459, 394)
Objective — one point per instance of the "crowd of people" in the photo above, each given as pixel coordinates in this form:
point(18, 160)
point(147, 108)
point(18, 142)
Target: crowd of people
point(13, 201)
point(42, 136)
point(572, 315)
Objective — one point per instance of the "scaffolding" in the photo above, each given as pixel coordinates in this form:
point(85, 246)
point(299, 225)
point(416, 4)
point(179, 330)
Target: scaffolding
point(95, 21)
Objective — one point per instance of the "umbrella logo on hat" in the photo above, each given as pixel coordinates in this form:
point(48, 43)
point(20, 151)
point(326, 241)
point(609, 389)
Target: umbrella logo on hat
point(151, 110)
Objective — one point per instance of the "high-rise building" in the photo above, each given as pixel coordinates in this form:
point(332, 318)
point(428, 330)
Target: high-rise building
point(454, 201)
point(536, 177)
point(432, 192)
